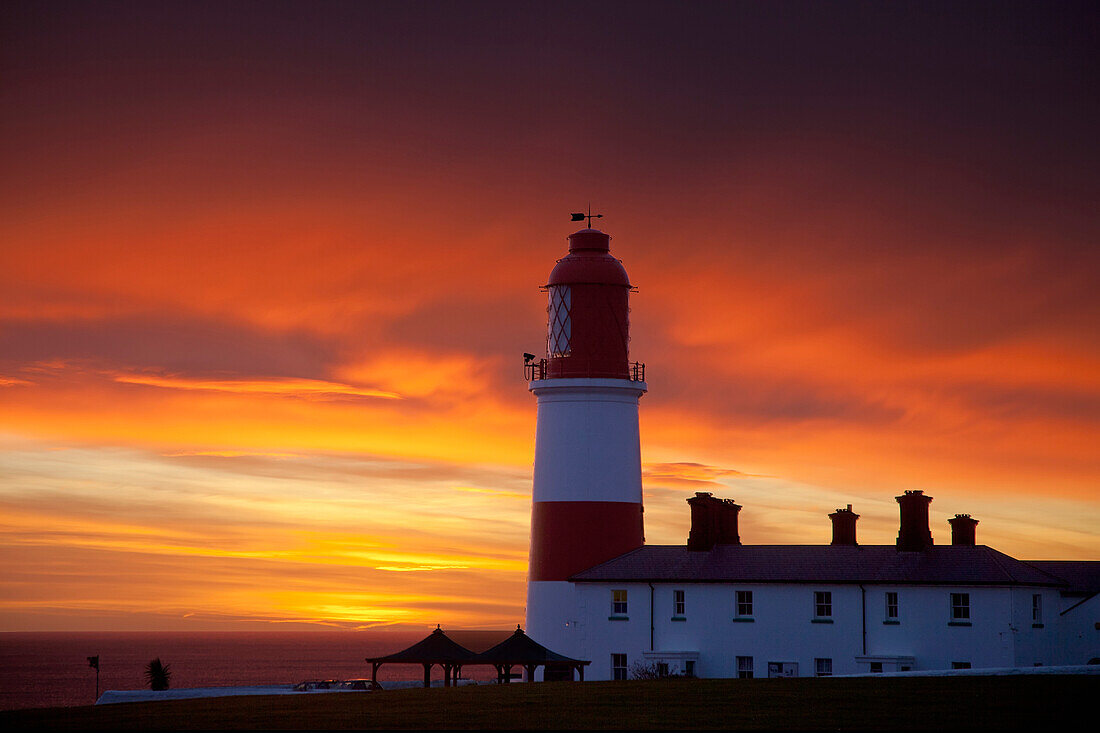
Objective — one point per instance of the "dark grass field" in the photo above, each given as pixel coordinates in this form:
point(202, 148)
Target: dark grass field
point(1035, 702)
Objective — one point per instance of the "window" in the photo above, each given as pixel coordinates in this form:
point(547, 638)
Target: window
point(891, 606)
point(689, 667)
point(823, 667)
point(662, 669)
point(744, 603)
point(1037, 609)
point(744, 668)
point(876, 668)
point(960, 665)
point(960, 606)
point(560, 323)
point(677, 603)
point(823, 604)
point(618, 666)
point(618, 603)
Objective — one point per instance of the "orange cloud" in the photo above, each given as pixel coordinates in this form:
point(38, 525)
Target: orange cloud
point(305, 388)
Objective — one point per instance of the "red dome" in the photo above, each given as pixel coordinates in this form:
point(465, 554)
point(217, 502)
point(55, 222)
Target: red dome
point(589, 261)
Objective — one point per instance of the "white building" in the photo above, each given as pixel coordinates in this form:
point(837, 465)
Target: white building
point(716, 608)
point(731, 610)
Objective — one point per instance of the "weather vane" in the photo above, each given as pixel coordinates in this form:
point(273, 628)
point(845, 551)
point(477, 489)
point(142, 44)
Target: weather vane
point(578, 216)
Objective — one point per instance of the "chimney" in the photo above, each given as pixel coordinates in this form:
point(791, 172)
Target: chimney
point(913, 535)
point(844, 526)
point(962, 530)
point(713, 522)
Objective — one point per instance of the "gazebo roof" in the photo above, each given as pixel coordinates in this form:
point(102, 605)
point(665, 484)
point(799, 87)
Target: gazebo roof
point(435, 647)
point(519, 648)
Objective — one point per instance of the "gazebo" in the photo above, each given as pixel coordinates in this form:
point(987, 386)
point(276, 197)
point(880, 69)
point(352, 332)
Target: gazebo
point(436, 648)
point(518, 650)
point(521, 650)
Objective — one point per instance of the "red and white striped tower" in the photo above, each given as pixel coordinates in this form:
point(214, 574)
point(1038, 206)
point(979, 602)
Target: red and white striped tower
point(587, 499)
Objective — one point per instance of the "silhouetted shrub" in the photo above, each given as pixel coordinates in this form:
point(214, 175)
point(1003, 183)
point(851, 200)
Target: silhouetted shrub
point(158, 674)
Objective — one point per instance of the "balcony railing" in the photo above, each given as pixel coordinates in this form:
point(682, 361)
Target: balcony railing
point(536, 370)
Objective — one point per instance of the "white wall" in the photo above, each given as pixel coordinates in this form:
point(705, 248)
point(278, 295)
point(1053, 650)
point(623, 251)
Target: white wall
point(782, 629)
point(1078, 638)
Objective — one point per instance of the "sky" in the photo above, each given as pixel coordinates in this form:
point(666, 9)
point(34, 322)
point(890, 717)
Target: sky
point(268, 270)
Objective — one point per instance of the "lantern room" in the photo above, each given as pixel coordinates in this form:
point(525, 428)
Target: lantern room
point(588, 316)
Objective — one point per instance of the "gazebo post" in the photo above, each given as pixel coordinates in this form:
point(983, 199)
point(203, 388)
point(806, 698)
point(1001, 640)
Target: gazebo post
point(580, 670)
point(427, 675)
point(374, 672)
point(531, 672)
point(507, 674)
point(458, 670)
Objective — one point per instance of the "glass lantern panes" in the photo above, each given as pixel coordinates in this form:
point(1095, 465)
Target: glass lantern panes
point(560, 324)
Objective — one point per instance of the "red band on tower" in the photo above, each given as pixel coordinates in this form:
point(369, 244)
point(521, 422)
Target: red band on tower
point(570, 536)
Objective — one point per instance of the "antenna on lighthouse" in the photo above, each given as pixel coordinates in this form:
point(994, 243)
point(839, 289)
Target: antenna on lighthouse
point(580, 216)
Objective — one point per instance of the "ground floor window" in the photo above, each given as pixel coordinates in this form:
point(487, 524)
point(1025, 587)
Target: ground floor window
point(960, 665)
point(618, 666)
point(876, 668)
point(823, 667)
point(744, 668)
point(689, 668)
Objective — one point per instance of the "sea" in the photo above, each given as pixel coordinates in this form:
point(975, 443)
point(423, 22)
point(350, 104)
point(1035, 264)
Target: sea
point(39, 669)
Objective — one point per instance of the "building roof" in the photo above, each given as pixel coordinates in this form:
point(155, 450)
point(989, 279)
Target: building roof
point(1083, 576)
point(519, 648)
point(940, 565)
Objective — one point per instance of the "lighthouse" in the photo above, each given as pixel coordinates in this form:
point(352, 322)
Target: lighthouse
point(587, 495)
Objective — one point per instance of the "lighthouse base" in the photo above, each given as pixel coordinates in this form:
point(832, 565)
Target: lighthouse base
point(552, 618)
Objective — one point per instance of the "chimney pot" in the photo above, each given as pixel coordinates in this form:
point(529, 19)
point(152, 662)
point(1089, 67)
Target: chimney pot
point(913, 534)
point(844, 527)
point(962, 530)
point(713, 522)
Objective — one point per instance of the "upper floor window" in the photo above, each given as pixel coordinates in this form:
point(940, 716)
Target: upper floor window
point(618, 603)
point(678, 604)
point(560, 324)
point(744, 603)
point(1037, 609)
point(891, 606)
point(960, 606)
point(823, 604)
